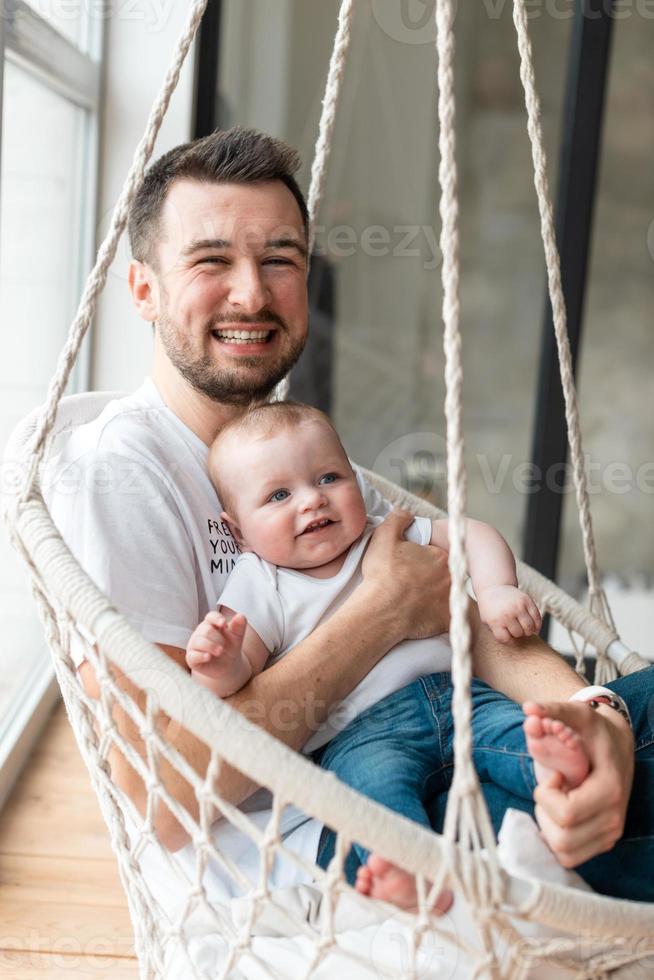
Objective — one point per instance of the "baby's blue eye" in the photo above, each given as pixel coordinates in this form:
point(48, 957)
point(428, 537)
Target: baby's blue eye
point(328, 478)
point(279, 495)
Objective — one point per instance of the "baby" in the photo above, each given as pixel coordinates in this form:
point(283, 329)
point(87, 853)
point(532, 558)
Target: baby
point(296, 509)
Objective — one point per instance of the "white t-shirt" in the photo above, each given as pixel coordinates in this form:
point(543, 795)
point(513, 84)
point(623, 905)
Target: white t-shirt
point(131, 497)
point(284, 606)
point(130, 494)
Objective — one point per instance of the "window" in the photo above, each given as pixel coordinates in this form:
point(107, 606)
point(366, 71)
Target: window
point(378, 230)
point(49, 65)
point(378, 235)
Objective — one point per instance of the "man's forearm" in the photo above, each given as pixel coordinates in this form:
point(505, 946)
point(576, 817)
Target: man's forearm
point(293, 697)
point(289, 700)
point(526, 669)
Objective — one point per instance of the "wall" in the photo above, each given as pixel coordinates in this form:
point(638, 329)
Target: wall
point(139, 49)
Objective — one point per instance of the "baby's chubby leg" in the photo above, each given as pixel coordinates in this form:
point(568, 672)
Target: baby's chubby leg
point(392, 753)
point(554, 747)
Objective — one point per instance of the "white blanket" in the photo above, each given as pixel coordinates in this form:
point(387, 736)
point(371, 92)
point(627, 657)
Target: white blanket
point(377, 935)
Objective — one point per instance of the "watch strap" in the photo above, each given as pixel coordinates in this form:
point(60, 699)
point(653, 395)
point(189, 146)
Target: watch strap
point(595, 695)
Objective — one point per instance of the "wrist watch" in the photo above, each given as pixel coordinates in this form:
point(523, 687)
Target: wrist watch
point(596, 695)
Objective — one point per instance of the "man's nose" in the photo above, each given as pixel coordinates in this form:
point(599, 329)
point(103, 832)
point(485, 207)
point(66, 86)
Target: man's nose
point(247, 290)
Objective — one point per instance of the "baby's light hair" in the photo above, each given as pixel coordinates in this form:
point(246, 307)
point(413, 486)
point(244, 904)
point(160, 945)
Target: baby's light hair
point(262, 421)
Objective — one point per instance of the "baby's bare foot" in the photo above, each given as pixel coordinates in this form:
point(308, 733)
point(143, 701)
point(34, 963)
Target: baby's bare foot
point(555, 747)
point(385, 881)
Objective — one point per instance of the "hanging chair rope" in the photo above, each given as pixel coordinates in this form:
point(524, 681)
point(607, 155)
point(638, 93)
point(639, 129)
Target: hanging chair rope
point(267, 761)
point(323, 147)
point(467, 817)
point(107, 250)
point(598, 603)
point(328, 116)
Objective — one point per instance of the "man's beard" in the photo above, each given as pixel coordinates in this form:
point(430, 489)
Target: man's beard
point(251, 380)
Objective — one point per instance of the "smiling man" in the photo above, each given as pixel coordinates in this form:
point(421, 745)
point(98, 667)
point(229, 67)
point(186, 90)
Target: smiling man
point(226, 286)
point(219, 238)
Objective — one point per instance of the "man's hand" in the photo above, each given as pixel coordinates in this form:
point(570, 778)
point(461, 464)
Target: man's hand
point(508, 612)
point(590, 819)
point(411, 578)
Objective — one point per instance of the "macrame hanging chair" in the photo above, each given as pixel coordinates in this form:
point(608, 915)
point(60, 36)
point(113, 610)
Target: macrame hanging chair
point(323, 929)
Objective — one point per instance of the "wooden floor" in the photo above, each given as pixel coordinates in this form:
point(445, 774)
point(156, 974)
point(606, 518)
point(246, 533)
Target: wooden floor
point(63, 912)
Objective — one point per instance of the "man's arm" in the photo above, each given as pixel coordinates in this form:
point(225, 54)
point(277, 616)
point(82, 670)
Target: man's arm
point(293, 697)
point(524, 669)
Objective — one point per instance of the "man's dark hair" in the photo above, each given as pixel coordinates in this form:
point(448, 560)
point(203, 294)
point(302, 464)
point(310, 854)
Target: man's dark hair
point(229, 156)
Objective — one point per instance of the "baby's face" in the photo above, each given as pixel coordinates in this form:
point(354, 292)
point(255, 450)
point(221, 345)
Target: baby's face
point(298, 502)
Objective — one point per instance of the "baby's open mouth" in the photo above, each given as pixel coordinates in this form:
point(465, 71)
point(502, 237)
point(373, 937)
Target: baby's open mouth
point(316, 525)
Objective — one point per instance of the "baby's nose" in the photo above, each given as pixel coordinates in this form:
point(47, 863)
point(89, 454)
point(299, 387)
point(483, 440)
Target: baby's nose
point(313, 499)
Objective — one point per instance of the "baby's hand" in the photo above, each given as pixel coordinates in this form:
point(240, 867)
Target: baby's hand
point(508, 612)
point(215, 648)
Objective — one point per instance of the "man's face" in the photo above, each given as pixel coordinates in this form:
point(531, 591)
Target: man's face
point(232, 304)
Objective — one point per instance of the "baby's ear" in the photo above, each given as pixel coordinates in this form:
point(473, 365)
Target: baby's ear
point(234, 528)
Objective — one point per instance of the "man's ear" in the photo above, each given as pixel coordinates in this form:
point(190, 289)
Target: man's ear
point(144, 288)
point(235, 529)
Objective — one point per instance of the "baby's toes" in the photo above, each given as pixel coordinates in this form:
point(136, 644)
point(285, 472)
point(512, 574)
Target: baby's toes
point(378, 866)
point(553, 726)
point(533, 726)
point(569, 736)
point(363, 880)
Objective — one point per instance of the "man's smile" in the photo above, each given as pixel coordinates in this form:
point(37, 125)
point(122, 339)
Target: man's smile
point(247, 340)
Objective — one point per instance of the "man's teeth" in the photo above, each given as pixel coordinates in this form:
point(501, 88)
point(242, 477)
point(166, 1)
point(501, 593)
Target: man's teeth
point(242, 336)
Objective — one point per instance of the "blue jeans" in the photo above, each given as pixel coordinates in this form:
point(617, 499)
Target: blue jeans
point(400, 753)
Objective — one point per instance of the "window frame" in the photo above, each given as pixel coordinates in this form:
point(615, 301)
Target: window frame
point(35, 46)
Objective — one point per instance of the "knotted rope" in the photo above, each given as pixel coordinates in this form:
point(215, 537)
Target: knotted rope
point(324, 141)
point(467, 817)
point(328, 115)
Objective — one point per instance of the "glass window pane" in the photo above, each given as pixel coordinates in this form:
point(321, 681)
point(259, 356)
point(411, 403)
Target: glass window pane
point(70, 19)
point(42, 144)
point(616, 392)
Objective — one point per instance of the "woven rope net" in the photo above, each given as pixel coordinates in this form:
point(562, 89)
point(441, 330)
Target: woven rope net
point(323, 927)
